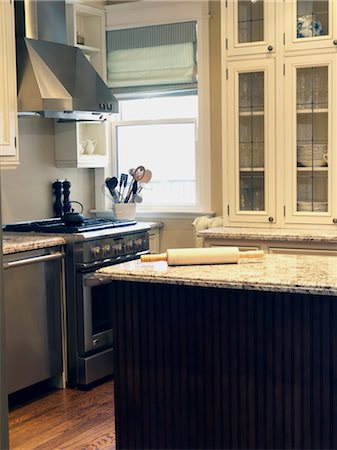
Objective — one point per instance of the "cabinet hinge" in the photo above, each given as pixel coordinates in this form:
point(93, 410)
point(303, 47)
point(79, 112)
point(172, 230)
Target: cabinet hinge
point(284, 211)
point(226, 3)
point(284, 39)
point(15, 141)
point(226, 74)
point(226, 44)
point(284, 69)
point(228, 210)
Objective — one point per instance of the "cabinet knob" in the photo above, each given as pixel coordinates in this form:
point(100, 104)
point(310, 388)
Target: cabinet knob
point(334, 220)
point(334, 42)
point(270, 48)
point(271, 219)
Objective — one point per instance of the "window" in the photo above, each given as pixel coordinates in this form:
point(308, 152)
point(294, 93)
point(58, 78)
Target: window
point(163, 120)
point(160, 133)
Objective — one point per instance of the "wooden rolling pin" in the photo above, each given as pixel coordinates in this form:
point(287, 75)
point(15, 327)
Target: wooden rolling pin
point(212, 255)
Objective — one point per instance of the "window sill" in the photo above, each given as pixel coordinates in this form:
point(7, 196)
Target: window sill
point(155, 215)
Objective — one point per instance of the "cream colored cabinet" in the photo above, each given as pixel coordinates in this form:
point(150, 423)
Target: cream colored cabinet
point(294, 182)
point(84, 144)
point(251, 141)
point(81, 144)
point(86, 30)
point(310, 139)
point(248, 25)
point(9, 156)
point(310, 24)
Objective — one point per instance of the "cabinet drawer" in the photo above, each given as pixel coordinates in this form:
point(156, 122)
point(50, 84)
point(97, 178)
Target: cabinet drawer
point(301, 251)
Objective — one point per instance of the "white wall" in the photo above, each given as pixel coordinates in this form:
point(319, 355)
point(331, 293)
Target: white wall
point(27, 190)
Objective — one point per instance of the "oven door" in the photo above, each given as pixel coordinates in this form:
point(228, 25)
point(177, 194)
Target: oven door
point(94, 317)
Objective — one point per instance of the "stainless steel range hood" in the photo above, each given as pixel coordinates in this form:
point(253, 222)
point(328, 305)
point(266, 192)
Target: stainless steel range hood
point(55, 80)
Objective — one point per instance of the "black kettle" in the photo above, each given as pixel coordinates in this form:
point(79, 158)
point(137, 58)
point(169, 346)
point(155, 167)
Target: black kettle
point(72, 217)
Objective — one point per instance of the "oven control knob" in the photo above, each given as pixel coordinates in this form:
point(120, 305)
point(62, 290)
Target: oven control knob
point(118, 248)
point(139, 243)
point(129, 245)
point(96, 252)
point(107, 250)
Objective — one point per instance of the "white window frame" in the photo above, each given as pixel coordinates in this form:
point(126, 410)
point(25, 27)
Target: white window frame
point(139, 14)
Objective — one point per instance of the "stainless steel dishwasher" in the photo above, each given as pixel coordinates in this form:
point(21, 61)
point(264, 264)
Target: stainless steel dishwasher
point(33, 302)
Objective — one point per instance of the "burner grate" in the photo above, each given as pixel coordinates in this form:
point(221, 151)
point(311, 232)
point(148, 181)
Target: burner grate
point(56, 225)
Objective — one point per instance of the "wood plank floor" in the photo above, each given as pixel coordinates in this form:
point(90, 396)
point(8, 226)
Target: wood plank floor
point(66, 419)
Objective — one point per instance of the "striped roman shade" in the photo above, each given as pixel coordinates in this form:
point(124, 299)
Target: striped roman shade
point(147, 60)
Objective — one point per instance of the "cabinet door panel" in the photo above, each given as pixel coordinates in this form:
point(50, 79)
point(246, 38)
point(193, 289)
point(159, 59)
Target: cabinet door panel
point(309, 24)
point(251, 141)
point(309, 139)
point(8, 109)
point(248, 25)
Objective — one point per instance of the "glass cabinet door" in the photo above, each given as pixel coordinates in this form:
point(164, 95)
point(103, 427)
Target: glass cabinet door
point(310, 132)
point(310, 24)
point(250, 26)
point(251, 146)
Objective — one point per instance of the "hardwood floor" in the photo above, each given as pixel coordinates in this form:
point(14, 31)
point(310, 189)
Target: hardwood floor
point(66, 419)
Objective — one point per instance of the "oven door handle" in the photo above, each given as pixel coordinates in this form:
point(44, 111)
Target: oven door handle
point(34, 260)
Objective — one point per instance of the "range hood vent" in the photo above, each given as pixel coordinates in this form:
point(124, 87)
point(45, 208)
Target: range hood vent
point(55, 80)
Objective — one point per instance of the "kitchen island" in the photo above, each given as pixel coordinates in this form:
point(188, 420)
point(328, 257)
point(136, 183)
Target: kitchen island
point(225, 356)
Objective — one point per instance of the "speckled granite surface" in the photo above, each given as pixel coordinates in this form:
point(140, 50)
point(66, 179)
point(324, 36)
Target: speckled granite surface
point(284, 273)
point(275, 234)
point(15, 242)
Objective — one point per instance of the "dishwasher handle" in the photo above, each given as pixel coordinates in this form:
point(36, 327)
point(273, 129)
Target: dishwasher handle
point(34, 260)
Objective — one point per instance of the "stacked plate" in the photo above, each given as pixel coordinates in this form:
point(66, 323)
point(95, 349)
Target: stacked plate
point(312, 206)
point(309, 155)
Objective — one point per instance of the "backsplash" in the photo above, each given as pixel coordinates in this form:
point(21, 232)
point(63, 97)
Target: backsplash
point(27, 191)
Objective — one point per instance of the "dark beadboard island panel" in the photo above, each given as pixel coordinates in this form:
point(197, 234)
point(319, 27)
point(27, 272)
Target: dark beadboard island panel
point(209, 368)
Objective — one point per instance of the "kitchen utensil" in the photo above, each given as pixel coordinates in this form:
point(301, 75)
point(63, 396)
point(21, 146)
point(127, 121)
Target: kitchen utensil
point(215, 255)
point(138, 173)
point(137, 198)
point(111, 184)
point(124, 210)
point(132, 191)
point(122, 185)
point(73, 217)
point(147, 176)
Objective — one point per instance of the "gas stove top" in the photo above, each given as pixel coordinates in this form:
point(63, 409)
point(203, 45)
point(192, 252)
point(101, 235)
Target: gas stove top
point(57, 226)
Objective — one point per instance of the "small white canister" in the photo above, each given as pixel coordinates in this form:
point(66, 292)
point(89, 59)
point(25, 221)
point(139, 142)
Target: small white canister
point(124, 210)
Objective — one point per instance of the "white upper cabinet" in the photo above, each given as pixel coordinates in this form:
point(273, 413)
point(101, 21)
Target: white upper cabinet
point(8, 98)
point(86, 30)
point(85, 144)
point(310, 139)
point(250, 26)
point(251, 141)
point(310, 24)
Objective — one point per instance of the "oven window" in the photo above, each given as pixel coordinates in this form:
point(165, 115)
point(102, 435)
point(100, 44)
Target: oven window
point(101, 310)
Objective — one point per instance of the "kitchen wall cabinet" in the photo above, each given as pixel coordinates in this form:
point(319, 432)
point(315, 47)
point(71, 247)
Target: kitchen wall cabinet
point(293, 121)
point(86, 30)
point(248, 25)
point(81, 144)
point(9, 155)
point(310, 25)
point(251, 138)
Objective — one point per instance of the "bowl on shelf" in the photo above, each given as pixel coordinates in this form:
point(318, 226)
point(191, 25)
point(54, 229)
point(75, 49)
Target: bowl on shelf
point(312, 206)
point(312, 155)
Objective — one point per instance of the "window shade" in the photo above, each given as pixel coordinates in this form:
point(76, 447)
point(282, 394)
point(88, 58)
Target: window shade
point(151, 59)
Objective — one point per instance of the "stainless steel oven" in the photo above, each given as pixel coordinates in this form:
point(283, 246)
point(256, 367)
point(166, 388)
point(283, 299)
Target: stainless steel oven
point(89, 334)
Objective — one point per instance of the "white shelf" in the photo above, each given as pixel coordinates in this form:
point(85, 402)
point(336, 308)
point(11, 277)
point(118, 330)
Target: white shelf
point(312, 169)
point(251, 169)
point(251, 113)
point(312, 111)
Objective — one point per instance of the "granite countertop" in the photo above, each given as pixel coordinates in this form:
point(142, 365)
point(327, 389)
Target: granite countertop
point(283, 273)
point(273, 234)
point(16, 242)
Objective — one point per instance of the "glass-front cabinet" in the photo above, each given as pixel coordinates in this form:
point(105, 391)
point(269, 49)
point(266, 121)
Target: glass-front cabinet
point(310, 24)
point(309, 138)
point(248, 29)
point(251, 141)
